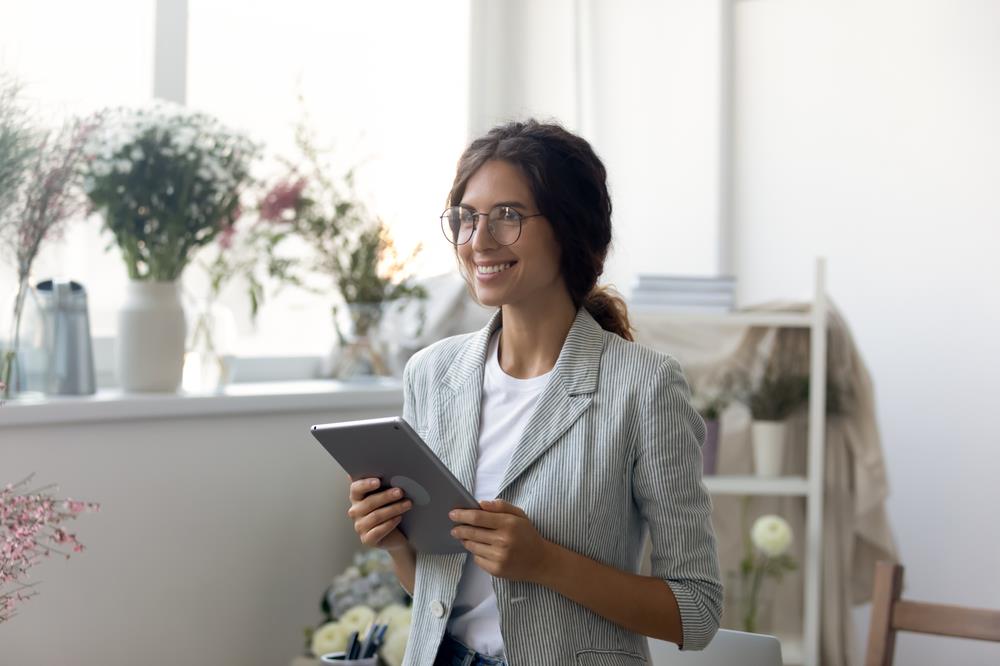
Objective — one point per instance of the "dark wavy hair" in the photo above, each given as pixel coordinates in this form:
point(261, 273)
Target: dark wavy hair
point(569, 183)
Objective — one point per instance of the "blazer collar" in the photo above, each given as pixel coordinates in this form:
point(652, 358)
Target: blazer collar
point(576, 369)
point(566, 396)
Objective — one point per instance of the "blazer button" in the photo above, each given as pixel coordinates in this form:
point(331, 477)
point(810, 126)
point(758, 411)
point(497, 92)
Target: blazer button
point(437, 608)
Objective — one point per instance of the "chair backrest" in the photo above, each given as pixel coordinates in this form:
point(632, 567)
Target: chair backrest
point(890, 614)
point(727, 647)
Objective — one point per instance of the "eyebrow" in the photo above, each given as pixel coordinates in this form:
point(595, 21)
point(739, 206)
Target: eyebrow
point(512, 204)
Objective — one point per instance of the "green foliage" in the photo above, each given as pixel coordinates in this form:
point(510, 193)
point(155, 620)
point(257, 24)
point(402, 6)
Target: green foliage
point(17, 143)
point(348, 248)
point(775, 398)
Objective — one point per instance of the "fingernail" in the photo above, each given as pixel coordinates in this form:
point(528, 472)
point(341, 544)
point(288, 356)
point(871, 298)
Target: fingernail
point(453, 515)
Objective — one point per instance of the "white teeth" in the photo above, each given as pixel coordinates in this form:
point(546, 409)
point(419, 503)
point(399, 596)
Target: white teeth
point(493, 269)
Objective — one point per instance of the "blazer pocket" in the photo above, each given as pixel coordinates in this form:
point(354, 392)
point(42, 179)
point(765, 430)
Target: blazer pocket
point(609, 658)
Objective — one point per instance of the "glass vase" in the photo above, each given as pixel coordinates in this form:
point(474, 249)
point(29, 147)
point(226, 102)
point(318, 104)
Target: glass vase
point(361, 350)
point(21, 350)
point(207, 362)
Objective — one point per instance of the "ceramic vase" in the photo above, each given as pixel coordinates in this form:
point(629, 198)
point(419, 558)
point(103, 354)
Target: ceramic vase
point(151, 332)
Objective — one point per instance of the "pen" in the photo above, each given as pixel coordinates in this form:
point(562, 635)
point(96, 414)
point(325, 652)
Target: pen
point(367, 644)
point(379, 639)
point(352, 644)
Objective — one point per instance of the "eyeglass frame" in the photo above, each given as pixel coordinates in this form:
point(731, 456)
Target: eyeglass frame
point(475, 222)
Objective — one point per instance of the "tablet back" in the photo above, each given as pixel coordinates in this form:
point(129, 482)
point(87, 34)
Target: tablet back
point(388, 448)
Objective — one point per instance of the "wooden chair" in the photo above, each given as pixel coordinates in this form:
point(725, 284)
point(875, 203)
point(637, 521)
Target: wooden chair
point(891, 614)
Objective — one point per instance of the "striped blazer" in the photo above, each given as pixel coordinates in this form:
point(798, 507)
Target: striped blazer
point(611, 453)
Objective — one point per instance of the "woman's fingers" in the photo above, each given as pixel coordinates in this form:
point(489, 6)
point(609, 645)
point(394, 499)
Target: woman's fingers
point(362, 487)
point(379, 532)
point(371, 520)
point(373, 502)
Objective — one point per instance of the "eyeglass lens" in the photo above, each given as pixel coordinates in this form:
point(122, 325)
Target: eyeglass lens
point(504, 224)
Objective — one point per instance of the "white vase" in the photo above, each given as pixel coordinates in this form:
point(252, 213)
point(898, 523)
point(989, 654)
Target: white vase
point(768, 440)
point(151, 332)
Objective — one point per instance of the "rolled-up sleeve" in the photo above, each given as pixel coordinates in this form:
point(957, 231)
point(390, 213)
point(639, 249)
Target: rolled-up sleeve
point(668, 490)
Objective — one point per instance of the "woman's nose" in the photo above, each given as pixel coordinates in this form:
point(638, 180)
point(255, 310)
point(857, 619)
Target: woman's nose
point(481, 237)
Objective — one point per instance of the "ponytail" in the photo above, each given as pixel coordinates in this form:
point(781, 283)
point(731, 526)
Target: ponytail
point(608, 308)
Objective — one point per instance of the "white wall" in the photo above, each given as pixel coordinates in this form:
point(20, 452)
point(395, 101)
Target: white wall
point(867, 132)
point(640, 81)
point(216, 538)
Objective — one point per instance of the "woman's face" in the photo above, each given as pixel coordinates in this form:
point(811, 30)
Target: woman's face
point(527, 270)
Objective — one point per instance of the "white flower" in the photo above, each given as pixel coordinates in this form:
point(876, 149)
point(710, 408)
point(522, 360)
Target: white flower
point(771, 535)
point(394, 646)
point(357, 618)
point(331, 637)
point(397, 616)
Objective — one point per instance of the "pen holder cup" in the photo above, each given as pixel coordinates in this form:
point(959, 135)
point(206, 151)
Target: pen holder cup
point(338, 658)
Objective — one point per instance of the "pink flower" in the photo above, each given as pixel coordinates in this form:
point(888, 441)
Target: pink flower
point(226, 236)
point(31, 529)
point(282, 201)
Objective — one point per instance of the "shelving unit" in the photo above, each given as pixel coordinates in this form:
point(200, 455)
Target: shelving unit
point(796, 650)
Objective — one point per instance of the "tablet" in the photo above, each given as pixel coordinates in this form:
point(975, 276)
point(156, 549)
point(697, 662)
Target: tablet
point(389, 449)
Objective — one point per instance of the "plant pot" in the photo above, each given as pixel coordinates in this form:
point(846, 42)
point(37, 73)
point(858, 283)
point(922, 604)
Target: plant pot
point(768, 439)
point(710, 451)
point(151, 332)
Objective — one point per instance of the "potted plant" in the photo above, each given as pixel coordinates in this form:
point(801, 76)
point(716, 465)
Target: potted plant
point(167, 181)
point(347, 249)
point(710, 403)
point(771, 401)
point(38, 193)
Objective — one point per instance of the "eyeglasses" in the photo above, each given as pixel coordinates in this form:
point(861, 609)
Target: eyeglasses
point(458, 223)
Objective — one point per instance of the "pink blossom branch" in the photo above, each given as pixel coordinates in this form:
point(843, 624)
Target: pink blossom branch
point(31, 525)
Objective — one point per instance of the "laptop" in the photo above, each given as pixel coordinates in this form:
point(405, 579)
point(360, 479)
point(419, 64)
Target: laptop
point(728, 648)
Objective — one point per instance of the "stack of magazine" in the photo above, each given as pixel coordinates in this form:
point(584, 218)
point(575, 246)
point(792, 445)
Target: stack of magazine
point(680, 292)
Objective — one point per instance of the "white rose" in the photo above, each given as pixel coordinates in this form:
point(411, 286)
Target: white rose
point(356, 618)
point(395, 646)
point(771, 535)
point(397, 616)
point(331, 637)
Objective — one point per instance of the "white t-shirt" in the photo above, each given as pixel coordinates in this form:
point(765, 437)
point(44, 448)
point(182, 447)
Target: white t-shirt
point(507, 405)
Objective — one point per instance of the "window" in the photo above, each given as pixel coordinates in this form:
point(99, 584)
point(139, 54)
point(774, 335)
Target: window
point(385, 85)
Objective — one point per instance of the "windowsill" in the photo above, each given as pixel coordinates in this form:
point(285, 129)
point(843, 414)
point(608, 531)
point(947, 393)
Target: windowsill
point(265, 397)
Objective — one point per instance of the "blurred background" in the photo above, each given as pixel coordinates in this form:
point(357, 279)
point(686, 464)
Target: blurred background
point(742, 138)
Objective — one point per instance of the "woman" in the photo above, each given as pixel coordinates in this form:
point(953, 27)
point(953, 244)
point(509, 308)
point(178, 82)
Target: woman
point(574, 438)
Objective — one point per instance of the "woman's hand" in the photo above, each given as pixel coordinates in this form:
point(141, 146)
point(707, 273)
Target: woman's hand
point(376, 516)
point(503, 541)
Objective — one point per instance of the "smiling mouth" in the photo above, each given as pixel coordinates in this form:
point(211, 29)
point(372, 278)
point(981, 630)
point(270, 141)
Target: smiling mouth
point(496, 268)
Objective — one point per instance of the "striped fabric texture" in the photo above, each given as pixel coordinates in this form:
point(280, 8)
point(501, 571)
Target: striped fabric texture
point(611, 456)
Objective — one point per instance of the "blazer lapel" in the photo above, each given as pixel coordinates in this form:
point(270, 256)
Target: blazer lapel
point(564, 399)
point(461, 405)
point(567, 395)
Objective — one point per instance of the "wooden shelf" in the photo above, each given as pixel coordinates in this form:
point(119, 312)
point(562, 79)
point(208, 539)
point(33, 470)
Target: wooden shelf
point(757, 485)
